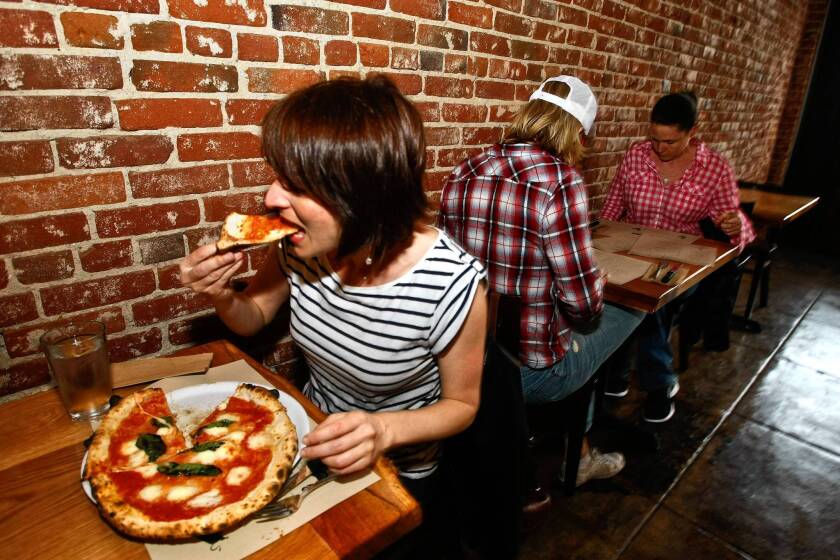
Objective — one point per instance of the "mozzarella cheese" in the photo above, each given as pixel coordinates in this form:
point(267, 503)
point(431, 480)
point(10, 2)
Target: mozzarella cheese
point(181, 493)
point(259, 440)
point(237, 475)
point(128, 447)
point(137, 458)
point(151, 493)
point(208, 499)
point(234, 224)
point(236, 437)
point(210, 457)
point(148, 471)
point(229, 416)
point(163, 431)
point(216, 431)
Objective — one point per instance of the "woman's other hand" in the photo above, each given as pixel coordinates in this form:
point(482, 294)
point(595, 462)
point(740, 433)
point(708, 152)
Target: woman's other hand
point(206, 271)
point(348, 442)
point(730, 223)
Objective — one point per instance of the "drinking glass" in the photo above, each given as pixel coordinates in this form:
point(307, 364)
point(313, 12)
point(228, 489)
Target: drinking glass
point(78, 356)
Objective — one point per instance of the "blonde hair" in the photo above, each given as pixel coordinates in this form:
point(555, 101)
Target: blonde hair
point(549, 126)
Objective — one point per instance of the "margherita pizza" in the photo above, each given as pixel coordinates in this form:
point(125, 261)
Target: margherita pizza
point(240, 230)
point(149, 482)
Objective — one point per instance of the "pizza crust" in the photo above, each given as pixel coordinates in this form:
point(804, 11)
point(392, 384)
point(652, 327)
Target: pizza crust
point(240, 230)
point(133, 522)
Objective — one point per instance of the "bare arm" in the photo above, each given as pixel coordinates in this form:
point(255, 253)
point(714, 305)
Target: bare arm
point(206, 271)
point(352, 441)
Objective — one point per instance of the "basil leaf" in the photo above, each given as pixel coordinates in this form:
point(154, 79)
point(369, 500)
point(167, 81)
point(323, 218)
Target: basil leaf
point(152, 444)
point(207, 446)
point(163, 422)
point(217, 424)
point(188, 469)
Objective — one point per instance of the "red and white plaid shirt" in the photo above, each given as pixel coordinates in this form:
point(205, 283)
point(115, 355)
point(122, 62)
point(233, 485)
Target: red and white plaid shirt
point(524, 214)
point(707, 189)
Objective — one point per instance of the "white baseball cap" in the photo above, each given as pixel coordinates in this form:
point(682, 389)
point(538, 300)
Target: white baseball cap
point(580, 103)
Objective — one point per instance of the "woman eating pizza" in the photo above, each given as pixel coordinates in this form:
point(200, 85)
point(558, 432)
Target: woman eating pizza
point(389, 313)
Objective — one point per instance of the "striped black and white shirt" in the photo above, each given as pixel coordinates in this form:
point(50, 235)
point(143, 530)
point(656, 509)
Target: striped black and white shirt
point(374, 348)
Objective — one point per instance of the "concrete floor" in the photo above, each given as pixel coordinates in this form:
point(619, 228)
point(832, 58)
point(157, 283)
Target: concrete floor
point(750, 465)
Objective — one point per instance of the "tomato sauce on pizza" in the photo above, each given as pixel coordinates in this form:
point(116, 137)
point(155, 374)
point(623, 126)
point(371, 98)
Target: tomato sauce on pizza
point(242, 229)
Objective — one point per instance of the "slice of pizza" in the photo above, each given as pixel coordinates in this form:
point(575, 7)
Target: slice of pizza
point(240, 230)
point(240, 456)
point(137, 431)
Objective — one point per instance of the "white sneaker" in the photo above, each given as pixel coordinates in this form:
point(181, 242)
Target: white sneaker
point(599, 465)
point(675, 388)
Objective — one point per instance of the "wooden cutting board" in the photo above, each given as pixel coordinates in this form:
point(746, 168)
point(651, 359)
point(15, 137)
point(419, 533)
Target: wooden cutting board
point(152, 369)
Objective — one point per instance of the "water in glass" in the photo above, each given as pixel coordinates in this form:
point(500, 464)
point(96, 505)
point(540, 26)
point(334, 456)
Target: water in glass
point(82, 371)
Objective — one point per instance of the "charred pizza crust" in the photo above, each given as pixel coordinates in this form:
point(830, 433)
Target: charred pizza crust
point(279, 435)
point(240, 230)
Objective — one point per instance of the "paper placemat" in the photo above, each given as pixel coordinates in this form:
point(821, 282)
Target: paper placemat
point(619, 269)
point(633, 231)
point(660, 247)
point(253, 536)
point(615, 243)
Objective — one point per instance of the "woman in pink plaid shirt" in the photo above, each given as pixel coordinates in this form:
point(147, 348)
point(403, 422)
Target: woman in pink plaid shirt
point(672, 181)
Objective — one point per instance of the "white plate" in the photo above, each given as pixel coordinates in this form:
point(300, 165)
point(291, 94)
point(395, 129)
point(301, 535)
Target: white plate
point(192, 404)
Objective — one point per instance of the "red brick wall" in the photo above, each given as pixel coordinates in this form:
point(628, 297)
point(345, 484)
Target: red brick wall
point(130, 127)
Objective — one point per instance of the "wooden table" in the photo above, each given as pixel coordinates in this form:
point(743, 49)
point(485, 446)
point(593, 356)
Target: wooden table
point(45, 514)
point(776, 209)
point(650, 296)
point(771, 211)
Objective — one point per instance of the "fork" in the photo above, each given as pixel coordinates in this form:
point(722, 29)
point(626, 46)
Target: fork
point(289, 505)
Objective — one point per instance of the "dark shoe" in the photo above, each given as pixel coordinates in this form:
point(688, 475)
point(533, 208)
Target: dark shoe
point(535, 509)
point(659, 406)
point(616, 387)
point(537, 501)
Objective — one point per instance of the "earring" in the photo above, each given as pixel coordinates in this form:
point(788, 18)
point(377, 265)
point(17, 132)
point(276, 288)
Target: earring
point(368, 260)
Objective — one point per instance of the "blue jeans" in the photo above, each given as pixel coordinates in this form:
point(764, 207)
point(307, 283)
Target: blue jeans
point(655, 360)
point(557, 382)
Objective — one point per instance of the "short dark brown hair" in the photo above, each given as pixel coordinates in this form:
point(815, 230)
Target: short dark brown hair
point(676, 109)
point(357, 147)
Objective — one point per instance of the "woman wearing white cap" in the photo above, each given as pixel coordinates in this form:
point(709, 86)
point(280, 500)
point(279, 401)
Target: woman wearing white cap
point(521, 208)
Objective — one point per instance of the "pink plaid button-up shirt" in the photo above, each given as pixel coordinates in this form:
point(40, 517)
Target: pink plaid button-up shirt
point(707, 189)
point(524, 214)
